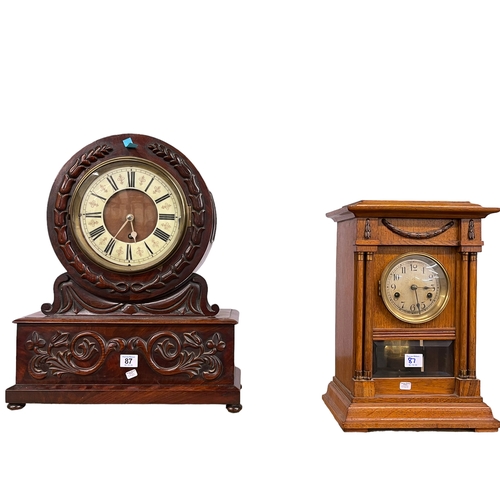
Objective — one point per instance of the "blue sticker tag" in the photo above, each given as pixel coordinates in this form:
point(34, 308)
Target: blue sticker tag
point(129, 143)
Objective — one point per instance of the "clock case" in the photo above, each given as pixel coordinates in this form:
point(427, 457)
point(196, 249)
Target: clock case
point(372, 389)
point(72, 350)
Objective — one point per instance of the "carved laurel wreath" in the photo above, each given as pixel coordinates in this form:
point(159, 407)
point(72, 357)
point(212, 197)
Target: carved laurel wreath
point(61, 216)
point(166, 353)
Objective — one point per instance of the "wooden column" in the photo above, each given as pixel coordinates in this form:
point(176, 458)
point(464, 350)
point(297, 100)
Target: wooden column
point(359, 297)
point(471, 314)
point(462, 333)
point(368, 320)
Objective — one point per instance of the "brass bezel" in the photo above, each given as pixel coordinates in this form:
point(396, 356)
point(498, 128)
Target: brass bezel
point(444, 295)
point(102, 168)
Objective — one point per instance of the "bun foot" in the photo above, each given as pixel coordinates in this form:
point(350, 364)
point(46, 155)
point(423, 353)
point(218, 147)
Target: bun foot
point(234, 408)
point(16, 406)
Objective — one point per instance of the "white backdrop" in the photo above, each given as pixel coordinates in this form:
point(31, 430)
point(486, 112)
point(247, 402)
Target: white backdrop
point(289, 109)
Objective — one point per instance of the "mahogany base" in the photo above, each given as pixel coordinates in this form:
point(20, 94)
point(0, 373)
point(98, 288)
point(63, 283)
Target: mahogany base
point(19, 395)
point(78, 359)
point(419, 412)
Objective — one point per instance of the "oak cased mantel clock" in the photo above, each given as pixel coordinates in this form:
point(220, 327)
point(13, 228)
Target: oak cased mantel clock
point(131, 220)
point(405, 331)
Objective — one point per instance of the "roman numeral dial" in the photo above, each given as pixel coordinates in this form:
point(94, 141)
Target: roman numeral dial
point(129, 215)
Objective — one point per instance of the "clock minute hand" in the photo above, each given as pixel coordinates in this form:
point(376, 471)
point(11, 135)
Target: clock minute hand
point(128, 218)
point(119, 230)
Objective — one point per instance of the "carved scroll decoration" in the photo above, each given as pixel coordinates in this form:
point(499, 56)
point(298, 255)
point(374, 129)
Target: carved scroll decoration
point(188, 299)
point(414, 235)
point(167, 353)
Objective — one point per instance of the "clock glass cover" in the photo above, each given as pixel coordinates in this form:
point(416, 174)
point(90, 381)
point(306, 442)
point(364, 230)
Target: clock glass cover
point(128, 215)
point(415, 287)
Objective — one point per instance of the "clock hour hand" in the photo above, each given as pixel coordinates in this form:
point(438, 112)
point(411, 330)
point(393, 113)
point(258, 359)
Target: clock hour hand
point(133, 234)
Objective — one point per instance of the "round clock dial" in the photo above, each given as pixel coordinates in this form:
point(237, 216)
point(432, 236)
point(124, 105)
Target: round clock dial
point(415, 287)
point(128, 215)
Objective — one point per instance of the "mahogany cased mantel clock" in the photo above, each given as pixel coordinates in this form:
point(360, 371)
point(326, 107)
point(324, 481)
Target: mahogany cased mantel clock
point(131, 220)
point(405, 331)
